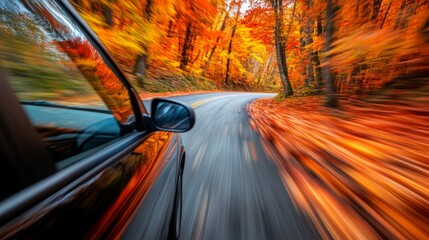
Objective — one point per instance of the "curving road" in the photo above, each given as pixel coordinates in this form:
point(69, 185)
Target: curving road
point(231, 189)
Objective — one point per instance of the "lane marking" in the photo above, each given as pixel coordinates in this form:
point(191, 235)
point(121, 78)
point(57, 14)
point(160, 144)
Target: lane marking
point(199, 157)
point(201, 216)
point(194, 105)
point(246, 151)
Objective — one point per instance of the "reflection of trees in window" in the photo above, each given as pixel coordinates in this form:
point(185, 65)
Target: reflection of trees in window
point(77, 47)
point(100, 76)
point(43, 48)
point(31, 60)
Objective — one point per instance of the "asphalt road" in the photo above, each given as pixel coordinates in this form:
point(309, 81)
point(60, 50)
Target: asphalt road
point(231, 189)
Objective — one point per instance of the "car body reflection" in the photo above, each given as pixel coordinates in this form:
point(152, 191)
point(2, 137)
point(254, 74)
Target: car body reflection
point(104, 205)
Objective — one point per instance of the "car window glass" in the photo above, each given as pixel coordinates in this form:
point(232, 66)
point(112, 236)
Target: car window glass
point(70, 95)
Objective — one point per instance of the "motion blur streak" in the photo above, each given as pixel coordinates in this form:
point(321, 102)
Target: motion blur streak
point(359, 173)
point(231, 189)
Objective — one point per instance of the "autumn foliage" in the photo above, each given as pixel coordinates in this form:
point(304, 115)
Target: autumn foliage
point(160, 40)
point(99, 75)
point(335, 47)
point(359, 173)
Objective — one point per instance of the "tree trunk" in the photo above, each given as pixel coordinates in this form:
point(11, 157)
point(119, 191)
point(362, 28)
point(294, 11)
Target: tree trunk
point(280, 43)
point(196, 57)
point(279, 48)
point(309, 41)
point(400, 21)
point(170, 28)
point(311, 53)
point(385, 15)
point(222, 28)
point(407, 9)
point(364, 16)
point(267, 66)
point(328, 74)
point(141, 67)
point(228, 61)
point(303, 44)
point(319, 32)
point(186, 45)
point(234, 28)
point(310, 77)
point(107, 12)
point(376, 4)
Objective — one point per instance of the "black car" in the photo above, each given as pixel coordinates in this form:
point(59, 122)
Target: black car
point(80, 157)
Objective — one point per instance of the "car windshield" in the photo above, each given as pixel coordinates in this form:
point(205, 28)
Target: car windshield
point(47, 59)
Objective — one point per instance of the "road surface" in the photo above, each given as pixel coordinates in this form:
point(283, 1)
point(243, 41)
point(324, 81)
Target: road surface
point(231, 189)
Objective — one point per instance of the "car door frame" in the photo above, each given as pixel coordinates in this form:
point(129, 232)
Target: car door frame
point(90, 166)
point(139, 109)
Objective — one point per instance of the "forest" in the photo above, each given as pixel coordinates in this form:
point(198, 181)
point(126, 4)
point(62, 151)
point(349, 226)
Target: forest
point(296, 47)
point(348, 129)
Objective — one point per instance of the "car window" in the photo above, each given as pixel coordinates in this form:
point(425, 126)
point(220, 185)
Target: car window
point(71, 96)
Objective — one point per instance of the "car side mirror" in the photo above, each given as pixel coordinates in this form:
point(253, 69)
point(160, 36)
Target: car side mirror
point(172, 116)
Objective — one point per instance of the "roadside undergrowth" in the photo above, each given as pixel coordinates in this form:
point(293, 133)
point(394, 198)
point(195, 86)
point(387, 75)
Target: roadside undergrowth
point(358, 173)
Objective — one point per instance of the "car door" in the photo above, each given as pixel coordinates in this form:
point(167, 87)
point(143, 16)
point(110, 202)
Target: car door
point(76, 167)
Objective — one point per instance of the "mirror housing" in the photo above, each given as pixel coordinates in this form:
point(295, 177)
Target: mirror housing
point(171, 115)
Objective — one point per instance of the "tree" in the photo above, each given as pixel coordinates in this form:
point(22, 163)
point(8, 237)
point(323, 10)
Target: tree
point(280, 43)
point(234, 28)
point(307, 42)
point(328, 75)
point(192, 18)
point(141, 62)
point(222, 28)
point(316, 54)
